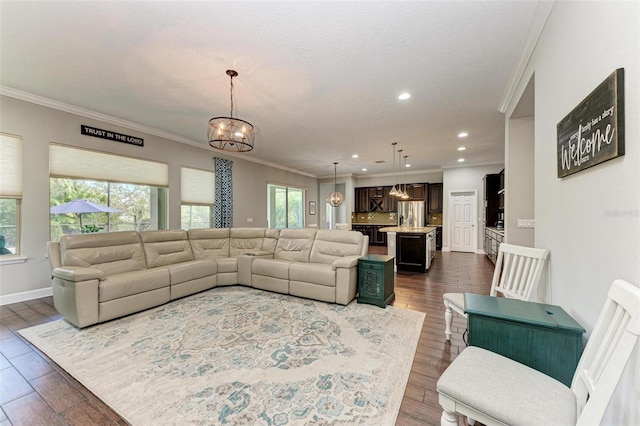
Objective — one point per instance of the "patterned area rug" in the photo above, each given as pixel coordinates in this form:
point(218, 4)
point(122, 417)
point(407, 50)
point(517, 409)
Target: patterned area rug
point(235, 355)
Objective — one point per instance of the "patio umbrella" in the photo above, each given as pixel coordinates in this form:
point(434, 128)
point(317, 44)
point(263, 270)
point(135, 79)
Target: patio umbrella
point(82, 206)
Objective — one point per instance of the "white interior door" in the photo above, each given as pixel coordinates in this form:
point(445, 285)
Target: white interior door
point(463, 225)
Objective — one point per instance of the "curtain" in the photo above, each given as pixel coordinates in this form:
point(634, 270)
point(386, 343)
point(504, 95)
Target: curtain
point(223, 207)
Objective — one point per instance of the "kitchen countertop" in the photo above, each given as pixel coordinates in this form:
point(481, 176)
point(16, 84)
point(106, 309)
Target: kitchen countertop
point(496, 230)
point(419, 230)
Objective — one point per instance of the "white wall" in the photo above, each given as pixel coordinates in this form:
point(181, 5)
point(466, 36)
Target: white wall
point(519, 196)
point(589, 220)
point(465, 179)
point(39, 125)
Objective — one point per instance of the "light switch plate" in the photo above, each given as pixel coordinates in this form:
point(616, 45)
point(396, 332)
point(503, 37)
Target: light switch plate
point(526, 223)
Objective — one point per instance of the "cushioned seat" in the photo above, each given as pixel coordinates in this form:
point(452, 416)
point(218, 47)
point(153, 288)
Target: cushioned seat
point(314, 273)
point(130, 283)
point(482, 379)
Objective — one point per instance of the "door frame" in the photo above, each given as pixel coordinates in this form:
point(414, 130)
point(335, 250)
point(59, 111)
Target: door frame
point(474, 215)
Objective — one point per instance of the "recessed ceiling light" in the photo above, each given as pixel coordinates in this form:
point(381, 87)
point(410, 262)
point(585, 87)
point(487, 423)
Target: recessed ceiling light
point(354, 156)
point(364, 170)
point(404, 96)
point(462, 148)
point(463, 134)
point(407, 165)
point(460, 160)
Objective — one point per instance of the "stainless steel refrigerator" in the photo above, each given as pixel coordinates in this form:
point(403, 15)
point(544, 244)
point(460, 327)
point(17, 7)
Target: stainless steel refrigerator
point(411, 214)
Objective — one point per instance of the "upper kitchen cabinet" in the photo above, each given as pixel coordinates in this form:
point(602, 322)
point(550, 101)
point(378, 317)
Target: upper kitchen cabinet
point(390, 200)
point(377, 201)
point(362, 200)
point(435, 197)
point(417, 191)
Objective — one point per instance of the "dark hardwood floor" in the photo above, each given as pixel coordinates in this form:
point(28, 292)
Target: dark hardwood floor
point(35, 391)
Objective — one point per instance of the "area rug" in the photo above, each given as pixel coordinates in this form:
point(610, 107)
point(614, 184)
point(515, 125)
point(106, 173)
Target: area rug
point(236, 355)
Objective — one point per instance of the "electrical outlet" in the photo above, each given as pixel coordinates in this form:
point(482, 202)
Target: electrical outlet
point(526, 223)
point(250, 219)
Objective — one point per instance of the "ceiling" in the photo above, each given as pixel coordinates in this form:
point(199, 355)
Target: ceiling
point(319, 80)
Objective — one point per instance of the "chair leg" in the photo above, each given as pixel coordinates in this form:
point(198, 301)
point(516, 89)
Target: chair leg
point(448, 418)
point(448, 320)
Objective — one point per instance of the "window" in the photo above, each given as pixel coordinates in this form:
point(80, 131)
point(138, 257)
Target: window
point(197, 192)
point(285, 206)
point(136, 188)
point(10, 193)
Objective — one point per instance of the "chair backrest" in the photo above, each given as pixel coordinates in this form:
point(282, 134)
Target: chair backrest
point(608, 350)
point(518, 271)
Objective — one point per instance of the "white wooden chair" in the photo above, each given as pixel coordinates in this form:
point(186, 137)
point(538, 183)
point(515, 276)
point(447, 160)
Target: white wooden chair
point(492, 389)
point(517, 273)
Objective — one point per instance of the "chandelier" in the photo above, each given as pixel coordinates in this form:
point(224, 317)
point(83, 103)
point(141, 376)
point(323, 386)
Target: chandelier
point(229, 133)
point(335, 198)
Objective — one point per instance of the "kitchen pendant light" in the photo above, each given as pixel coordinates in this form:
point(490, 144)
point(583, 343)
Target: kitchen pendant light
point(230, 133)
point(405, 194)
point(335, 198)
point(394, 190)
point(400, 192)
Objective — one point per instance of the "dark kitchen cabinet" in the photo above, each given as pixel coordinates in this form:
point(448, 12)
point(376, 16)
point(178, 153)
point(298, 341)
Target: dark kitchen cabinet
point(417, 191)
point(435, 198)
point(411, 249)
point(439, 238)
point(391, 201)
point(376, 238)
point(379, 238)
point(362, 200)
point(491, 199)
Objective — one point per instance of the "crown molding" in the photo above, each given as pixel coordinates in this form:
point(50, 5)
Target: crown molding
point(87, 113)
point(543, 9)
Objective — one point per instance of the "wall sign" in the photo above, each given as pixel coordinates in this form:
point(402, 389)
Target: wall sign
point(112, 136)
point(594, 131)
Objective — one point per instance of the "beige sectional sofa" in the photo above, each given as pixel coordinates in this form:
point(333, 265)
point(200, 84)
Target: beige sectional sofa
point(99, 277)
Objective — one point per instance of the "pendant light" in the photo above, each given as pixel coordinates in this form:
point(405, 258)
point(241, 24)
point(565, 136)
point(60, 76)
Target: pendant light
point(394, 190)
point(231, 133)
point(400, 192)
point(335, 198)
point(405, 194)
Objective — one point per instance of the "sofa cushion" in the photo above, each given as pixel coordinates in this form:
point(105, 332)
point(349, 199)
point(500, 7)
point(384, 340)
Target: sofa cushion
point(275, 268)
point(209, 243)
point(295, 244)
point(166, 247)
point(110, 252)
point(315, 273)
point(330, 245)
point(129, 283)
point(188, 271)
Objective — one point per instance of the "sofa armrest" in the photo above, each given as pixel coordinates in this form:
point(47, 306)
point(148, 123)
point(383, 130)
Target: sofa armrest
point(345, 262)
point(244, 265)
point(77, 273)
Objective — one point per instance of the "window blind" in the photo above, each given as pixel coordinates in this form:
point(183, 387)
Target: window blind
point(70, 162)
point(197, 186)
point(10, 166)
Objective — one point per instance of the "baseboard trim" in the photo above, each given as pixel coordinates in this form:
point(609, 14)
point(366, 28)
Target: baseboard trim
point(25, 295)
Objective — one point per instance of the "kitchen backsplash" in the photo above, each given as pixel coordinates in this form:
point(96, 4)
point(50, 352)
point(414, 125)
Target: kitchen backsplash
point(434, 219)
point(390, 218)
point(377, 218)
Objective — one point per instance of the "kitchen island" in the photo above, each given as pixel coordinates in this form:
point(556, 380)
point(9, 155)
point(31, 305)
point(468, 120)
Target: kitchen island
point(413, 247)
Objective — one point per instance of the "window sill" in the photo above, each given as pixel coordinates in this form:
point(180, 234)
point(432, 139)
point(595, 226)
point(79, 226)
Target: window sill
point(10, 260)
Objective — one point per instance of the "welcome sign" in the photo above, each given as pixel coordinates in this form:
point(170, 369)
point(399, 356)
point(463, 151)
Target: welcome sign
point(594, 131)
